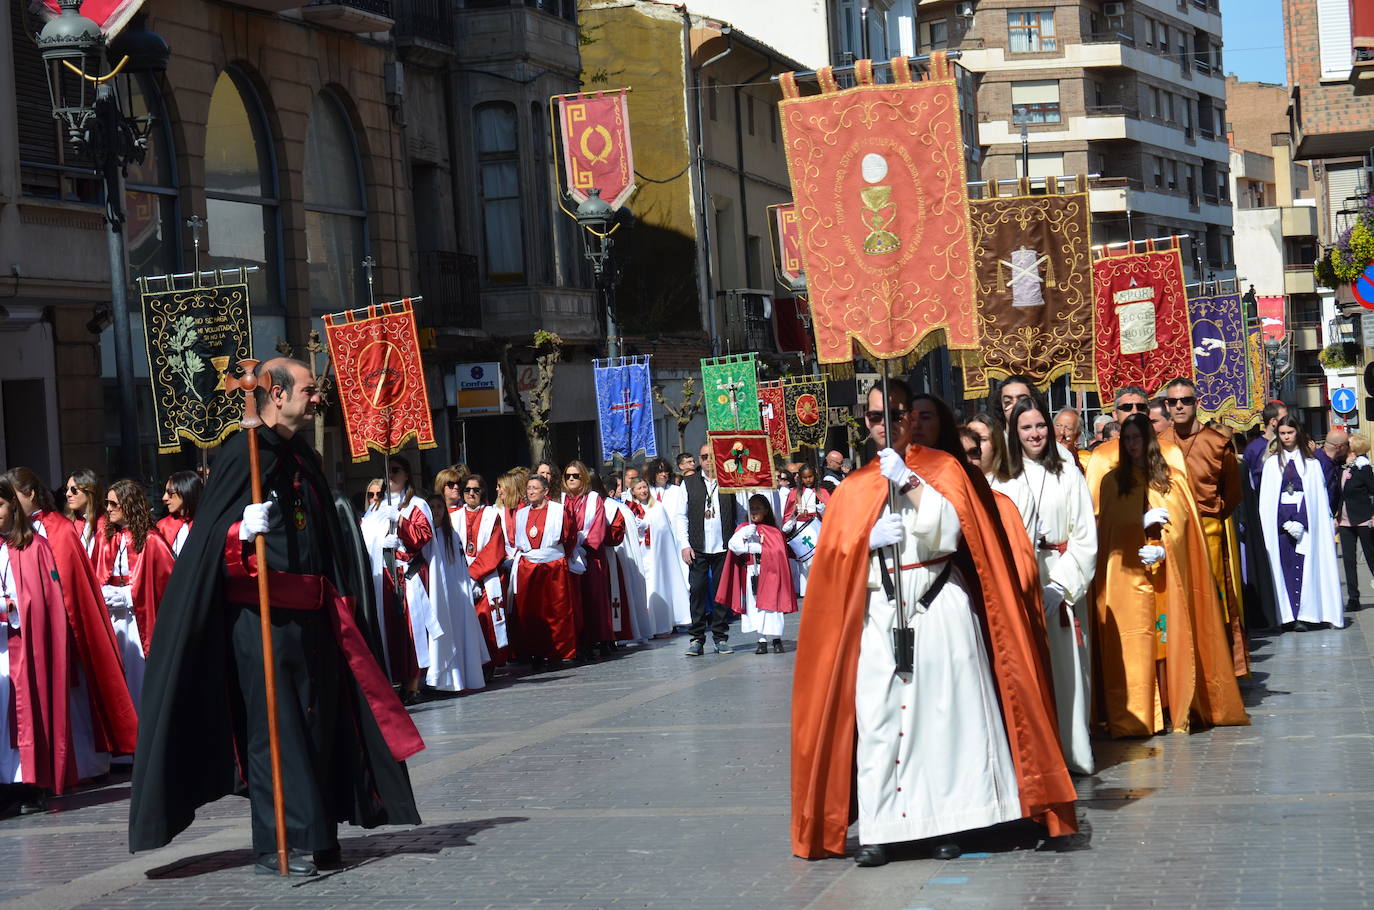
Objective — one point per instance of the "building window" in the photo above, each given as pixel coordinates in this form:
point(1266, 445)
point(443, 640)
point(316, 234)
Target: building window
point(934, 35)
point(335, 210)
point(1042, 164)
point(241, 189)
point(1031, 31)
point(1035, 102)
point(499, 161)
point(1159, 171)
point(150, 197)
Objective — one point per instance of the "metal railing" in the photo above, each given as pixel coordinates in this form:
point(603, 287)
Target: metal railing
point(380, 7)
point(430, 20)
point(1110, 37)
point(449, 283)
point(1111, 110)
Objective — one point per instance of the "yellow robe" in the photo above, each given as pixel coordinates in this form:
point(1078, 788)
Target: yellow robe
point(1166, 610)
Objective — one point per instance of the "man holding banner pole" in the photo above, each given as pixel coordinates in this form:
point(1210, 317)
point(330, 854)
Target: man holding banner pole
point(344, 735)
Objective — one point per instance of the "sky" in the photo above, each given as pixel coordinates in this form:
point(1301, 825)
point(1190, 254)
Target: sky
point(1252, 39)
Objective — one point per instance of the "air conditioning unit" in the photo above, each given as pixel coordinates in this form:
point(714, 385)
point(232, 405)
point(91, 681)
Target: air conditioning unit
point(964, 9)
point(1113, 9)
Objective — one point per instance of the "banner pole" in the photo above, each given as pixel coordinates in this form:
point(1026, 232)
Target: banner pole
point(901, 635)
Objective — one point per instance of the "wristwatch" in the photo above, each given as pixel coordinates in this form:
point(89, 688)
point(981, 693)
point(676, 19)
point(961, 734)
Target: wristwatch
point(910, 485)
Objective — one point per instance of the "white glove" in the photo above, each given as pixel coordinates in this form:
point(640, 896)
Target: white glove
point(116, 599)
point(391, 542)
point(387, 512)
point(1151, 554)
point(1294, 529)
point(1054, 597)
point(257, 518)
point(1159, 516)
point(755, 548)
point(886, 532)
point(893, 467)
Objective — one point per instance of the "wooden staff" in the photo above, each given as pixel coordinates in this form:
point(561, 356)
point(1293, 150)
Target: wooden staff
point(251, 421)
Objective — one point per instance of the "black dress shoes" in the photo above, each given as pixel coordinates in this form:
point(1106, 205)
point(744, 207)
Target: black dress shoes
point(331, 858)
point(762, 648)
point(871, 855)
point(946, 850)
point(1301, 626)
point(296, 864)
point(777, 646)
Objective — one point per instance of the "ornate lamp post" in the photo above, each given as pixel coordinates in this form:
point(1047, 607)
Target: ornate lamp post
point(594, 217)
point(91, 99)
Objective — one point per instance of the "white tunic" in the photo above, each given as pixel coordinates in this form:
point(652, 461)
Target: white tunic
point(1065, 515)
point(625, 563)
point(11, 766)
point(423, 624)
point(767, 623)
point(1321, 599)
point(667, 573)
point(932, 754)
point(126, 626)
point(802, 537)
point(457, 653)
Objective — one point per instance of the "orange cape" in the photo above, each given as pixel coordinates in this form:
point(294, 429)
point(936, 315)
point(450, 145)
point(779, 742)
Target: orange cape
point(823, 727)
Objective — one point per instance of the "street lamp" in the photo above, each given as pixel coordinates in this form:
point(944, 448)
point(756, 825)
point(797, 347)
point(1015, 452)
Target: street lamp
point(90, 102)
point(1280, 363)
point(594, 217)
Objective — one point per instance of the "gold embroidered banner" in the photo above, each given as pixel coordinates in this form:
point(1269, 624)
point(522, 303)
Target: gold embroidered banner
point(595, 130)
point(879, 185)
point(1034, 265)
point(1143, 336)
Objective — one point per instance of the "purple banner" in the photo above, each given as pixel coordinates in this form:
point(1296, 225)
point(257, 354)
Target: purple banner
point(1219, 354)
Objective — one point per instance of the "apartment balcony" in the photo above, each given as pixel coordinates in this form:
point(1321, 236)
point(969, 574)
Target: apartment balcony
point(1102, 123)
point(1298, 279)
point(449, 284)
point(1298, 220)
point(516, 312)
point(270, 6)
point(1129, 194)
point(1306, 336)
point(424, 30)
point(360, 17)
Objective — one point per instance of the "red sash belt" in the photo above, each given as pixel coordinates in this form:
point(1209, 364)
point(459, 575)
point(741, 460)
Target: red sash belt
point(1060, 548)
point(312, 592)
point(930, 562)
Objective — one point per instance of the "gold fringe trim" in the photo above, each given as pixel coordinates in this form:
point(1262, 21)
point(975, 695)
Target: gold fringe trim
point(412, 436)
point(185, 434)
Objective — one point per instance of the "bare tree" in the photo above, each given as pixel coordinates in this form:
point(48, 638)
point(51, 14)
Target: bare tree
point(684, 411)
point(534, 415)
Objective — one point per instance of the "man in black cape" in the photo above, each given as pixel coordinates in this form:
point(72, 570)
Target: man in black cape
point(202, 724)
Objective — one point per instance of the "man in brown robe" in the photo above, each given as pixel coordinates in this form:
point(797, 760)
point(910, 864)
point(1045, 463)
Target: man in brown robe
point(1214, 476)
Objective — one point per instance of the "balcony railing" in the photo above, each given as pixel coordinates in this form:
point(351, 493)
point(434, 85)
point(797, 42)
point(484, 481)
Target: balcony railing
point(449, 284)
point(1111, 110)
point(1110, 38)
point(428, 20)
point(376, 7)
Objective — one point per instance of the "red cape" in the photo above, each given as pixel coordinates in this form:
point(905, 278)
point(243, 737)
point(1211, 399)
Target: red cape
point(775, 593)
point(148, 574)
point(113, 713)
point(823, 727)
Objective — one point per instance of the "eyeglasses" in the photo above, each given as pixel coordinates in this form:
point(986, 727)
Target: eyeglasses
point(571, 475)
point(1141, 406)
point(111, 503)
point(877, 416)
point(1188, 400)
point(467, 490)
point(452, 483)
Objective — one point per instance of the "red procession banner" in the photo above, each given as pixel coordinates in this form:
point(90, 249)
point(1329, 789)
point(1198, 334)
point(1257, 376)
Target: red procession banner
point(1143, 333)
point(879, 184)
point(744, 463)
point(381, 380)
point(787, 236)
point(1273, 316)
point(597, 154)
point(773, 410)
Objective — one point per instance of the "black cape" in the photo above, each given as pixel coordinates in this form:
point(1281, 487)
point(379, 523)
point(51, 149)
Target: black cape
point(1261, 604)
point(192, 713)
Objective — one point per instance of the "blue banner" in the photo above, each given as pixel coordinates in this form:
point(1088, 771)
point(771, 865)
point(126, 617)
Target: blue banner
point(624, 407)
point(1219, 355)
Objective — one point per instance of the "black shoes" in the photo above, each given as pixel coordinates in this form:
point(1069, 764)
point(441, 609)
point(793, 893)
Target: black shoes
point(762, 648)
point(871, 855)
point(777, 646)
point(696, 649)
point(1301, 626)
point(947, 850)
point(296, 864)
point(34, 805)
point(329, 859)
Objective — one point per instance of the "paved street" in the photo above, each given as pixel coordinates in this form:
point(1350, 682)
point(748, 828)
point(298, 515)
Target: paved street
point(654, 780)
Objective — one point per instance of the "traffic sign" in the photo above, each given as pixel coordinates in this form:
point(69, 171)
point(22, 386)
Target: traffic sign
point(1343, 400)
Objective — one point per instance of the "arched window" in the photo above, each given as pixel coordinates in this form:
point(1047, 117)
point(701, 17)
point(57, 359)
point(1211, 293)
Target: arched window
point(241, 190)
point(335, 210)
point(150, 199)
point(498, 157)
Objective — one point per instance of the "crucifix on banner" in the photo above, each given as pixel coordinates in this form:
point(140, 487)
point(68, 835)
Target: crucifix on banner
point(627, 407)
point(731, 387)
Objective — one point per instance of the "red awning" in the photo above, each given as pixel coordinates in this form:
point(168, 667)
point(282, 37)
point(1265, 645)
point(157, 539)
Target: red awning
point(112, 15)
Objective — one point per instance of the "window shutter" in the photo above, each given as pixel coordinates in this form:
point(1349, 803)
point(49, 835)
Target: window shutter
point(1342, 182)
point(1333, 38)
point(1039, 92)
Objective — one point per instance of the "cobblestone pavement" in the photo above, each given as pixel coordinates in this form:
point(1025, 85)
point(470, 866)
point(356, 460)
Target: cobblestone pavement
point(655, 780)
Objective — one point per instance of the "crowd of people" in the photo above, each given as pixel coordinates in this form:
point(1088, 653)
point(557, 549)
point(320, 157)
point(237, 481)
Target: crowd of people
point(987, 596)
point(991, 594)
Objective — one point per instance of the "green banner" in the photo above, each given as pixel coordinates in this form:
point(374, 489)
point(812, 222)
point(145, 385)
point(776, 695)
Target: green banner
point(730, 387)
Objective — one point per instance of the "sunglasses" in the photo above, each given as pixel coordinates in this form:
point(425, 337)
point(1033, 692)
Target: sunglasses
point(571, 475)
point(877, 416)
point(72, 491)
point(1189, 400)
point(374, 495)
point(111, 504)
point(451, 483)
point(472, 489)
point(1141, 406)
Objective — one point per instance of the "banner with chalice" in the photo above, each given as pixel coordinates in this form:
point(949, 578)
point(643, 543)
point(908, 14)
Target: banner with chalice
point(1143, 334)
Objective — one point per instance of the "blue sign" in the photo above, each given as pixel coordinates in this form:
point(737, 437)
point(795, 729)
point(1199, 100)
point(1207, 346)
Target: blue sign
point(1343, 400)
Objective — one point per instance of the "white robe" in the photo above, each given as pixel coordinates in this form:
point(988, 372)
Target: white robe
point(932, 756)
point(802, 538)
point(667, 573)
point(1321, 582)
point(374, 530)
point(424, 625)
point(11, 764)
point(1065, 515)
point(767, 623)
point(456, 655)
point(125, 624)
point(627, 559)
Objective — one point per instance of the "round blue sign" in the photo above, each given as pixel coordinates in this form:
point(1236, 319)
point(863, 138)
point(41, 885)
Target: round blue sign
point(1343, 400)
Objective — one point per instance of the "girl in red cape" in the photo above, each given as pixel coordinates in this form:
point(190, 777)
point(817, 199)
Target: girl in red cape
point(36, 679)
point(757, 578)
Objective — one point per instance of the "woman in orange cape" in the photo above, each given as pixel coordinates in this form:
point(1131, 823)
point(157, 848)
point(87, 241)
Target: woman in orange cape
point(1161, 642)
point(824, 797)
